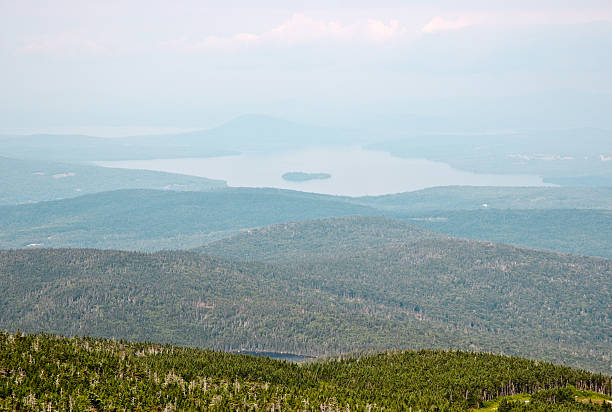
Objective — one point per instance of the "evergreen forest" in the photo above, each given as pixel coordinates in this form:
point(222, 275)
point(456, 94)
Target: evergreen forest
point(47, 372)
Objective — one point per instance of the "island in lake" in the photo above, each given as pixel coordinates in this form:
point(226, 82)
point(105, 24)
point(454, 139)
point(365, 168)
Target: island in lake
point(303, 176)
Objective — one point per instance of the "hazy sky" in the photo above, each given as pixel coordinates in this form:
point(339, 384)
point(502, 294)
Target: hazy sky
point(194, 63)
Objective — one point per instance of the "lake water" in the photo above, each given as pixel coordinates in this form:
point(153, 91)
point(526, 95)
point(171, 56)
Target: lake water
point(354, 171)
point(291, 357)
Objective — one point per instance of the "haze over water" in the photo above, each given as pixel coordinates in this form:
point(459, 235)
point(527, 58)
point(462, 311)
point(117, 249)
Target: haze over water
point(355, 172)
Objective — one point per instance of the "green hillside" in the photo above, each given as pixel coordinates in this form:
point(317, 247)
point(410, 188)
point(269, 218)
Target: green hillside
point(314, 240)
point(154, 220)
point(189, 299)
point(475, 197)
point(480, 288)
point(596, 181)
point(391, 288)
point(40, 372)
point(27, 181)
point(578, 231)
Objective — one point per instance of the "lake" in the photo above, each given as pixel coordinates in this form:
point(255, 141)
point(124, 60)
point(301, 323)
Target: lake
point(291, 357)
point(354, 171)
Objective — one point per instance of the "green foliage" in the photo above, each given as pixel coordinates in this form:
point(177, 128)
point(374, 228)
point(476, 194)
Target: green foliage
point(392, 286)
point(154, 220)
point(503, 298)
point(47, 372)
point(504, 406)
point(585, 232)
point(596, 181)
point(473, 198)
point(557, 395)
point(566, 398)
point(316, 239)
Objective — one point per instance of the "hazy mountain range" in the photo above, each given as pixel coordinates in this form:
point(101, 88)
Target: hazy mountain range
point(553, 154)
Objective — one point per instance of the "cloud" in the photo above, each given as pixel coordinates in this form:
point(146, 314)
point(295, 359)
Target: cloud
point(380, 31)
point(440, 24)
point(300, 29)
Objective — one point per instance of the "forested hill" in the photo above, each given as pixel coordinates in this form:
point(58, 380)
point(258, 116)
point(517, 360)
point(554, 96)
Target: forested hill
point(578, 231)
point(493, 289)
point(429, 292)
point(479, 197)
point(153, 219)
point(316, 239)
point(41, 372)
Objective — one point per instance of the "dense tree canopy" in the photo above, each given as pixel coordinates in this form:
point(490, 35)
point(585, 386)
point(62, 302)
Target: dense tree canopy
point(42, 371)
point(394, 288)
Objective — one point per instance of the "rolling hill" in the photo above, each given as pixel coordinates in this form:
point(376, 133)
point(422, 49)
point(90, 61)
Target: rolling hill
point(476, 285)
point(578, 231)
point(476, 197)
point(316, 239)
point(323, 287)
point(41, 372)
point(154, 220)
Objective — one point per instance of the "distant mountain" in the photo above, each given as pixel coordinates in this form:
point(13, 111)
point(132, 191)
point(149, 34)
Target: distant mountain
point(76, 148)
point(556, 155)
point(574, 181)
point(389, 288)
point(43, 371)
point(253, 133)
point(578, 231)
point(483, 197)
point(27, 181)
point(154, 220)
point(246, 133)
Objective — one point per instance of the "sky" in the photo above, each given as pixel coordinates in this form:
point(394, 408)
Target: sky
point(186, 64)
